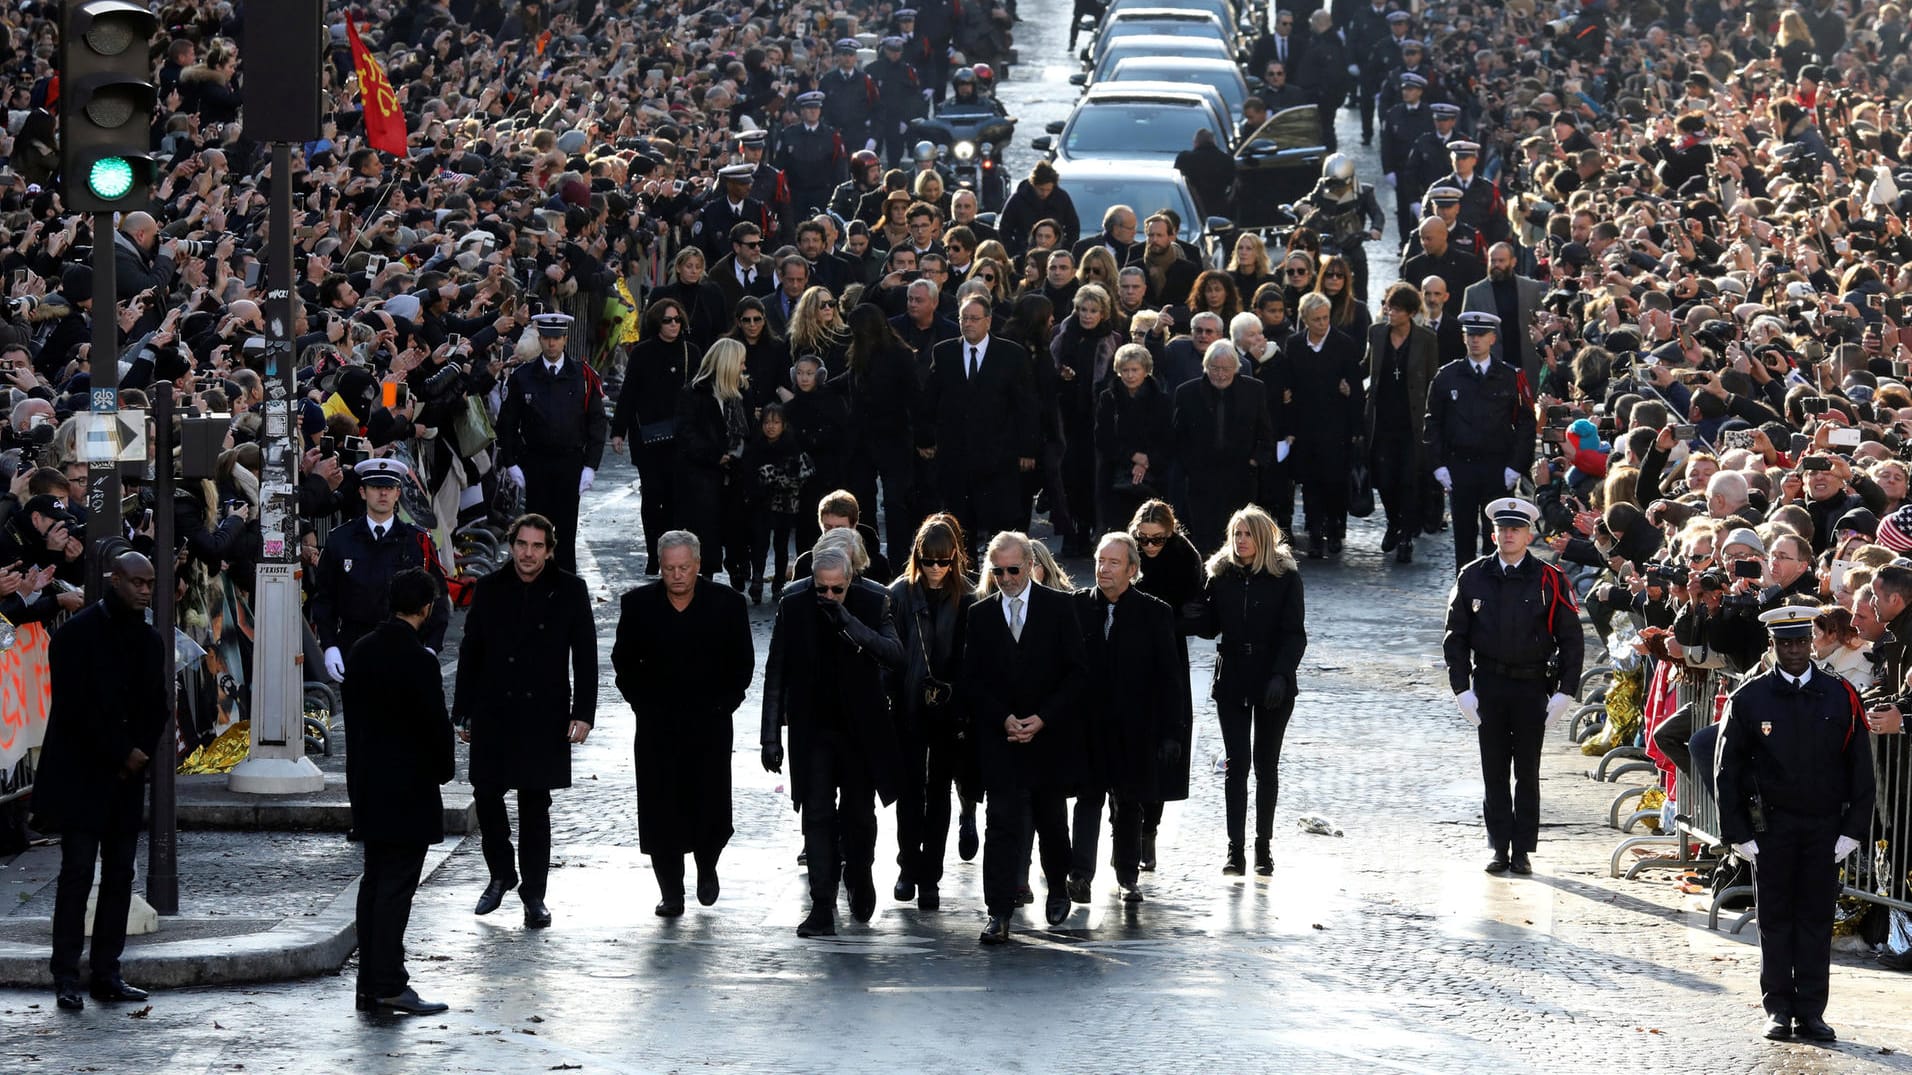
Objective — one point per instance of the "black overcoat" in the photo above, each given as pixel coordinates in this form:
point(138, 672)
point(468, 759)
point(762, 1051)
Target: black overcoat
point(394, 697)
point(527, 668)
point(867, 654)
point(1135, 712)
point(1042, 675)
point(108, 679)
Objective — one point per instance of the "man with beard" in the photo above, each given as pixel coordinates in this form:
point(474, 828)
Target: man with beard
point(1512, 298)
point(1170, 275)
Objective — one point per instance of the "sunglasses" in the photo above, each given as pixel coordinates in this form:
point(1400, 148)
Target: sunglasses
point(828, 304)
point(1334, 276)
point(751, 243)
point(1151, 542)
point(832, 589)
point(671, 320)
point(936, 561)
point(752, 320)
point(1012, 570)
point(1696, 557)
point(1298, 272)
point(987, 278)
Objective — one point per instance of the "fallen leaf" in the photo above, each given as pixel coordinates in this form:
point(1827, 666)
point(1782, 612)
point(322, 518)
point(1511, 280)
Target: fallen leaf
point(535, 1019)
point(566, 1067)
point(140, 1014)
point(1318, 925)
point(216, 1026)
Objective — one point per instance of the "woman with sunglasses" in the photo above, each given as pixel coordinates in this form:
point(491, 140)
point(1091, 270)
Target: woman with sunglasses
point(930, 604)
point(1256, 611)
point(1172, 573)
point(815, 329)
point(714, 426)
point(1098, 267)
point(706, 313)
point(1348, 311)
point(994, 275)
point(1297, 276)
point(656, 370)
point(766, 355)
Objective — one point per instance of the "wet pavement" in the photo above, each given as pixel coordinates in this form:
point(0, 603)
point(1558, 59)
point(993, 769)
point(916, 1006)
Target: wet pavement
point(1386, 949)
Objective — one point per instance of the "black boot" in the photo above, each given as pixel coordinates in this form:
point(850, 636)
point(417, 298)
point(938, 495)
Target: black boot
point(1317, 546)
point(1404, 552)
point(1236, 866)
point(756, 590)
point(1264, 860)
point(1148, 853)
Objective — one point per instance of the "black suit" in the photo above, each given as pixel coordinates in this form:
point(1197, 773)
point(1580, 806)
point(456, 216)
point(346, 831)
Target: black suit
point(724, 275)
point(401, 753)
point(1028, 783)
point(1221, 440)
point(981, 426)
point(827, 682)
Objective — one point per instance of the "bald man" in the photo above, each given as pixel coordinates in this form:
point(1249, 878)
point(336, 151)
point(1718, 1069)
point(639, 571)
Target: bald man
point(140, 260)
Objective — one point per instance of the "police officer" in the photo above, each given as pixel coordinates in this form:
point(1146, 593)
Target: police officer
point(1413, 62)
point(349, 591)
point(849, 97)
point(1479, 438)
point(1427, 157)
point(1512, 645)
point(899, 99)
point(1480, 202)
point(732, 206)
point(1379, 59)
point(1444, 202)
point(1794, 775)
point(812, 156)
point(1401, 127)
point(767, 185)
point(551, 429)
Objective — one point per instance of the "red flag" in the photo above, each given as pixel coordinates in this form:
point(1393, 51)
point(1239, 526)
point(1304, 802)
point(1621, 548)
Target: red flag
point(384, 120)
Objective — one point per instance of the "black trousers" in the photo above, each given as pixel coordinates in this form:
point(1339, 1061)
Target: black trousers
point(533, 864)
point(657, 494)
point(384, 907)
point(931, 764)
point(1513, 721)
point(1011, 817)
point(984, 502)
point(1251, 735)
point(78, 852)
point(1078, 473)
point(1404, 218)
point(670, 871)
point(1797, 885)
point(1324, 502)
point(1397, 482)
point(770, 533)
point(1127, 819)
point(1475, 485)
point(551, 490)
point(894, 466)
point(839, 814)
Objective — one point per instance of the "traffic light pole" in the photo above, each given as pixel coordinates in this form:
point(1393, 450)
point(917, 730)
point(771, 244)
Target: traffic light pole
point(102, 475)
point(276, 764)
point(162, 844)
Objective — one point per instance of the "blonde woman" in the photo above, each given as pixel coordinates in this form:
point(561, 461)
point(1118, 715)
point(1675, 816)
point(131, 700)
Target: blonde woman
point(815, 329)
point(1098, 267)
point(713, 428)
point(1255, 609)
point(1248, 265)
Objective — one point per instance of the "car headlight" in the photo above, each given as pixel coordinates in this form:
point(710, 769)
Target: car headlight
point(963, 151)
point(988, 149)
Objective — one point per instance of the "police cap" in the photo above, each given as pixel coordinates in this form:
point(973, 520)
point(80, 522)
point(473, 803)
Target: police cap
point(1474, 322)
point(381, 470)
point(1513, 511)
point(1789, 621)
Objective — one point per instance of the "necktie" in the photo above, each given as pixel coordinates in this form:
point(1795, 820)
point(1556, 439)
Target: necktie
point(378, 532)
point(1108, 622)
point(1281, 49)
point(973, 362)
point(1015, 618)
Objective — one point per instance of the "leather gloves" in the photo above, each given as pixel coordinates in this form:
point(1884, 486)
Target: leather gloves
point(1279, 691)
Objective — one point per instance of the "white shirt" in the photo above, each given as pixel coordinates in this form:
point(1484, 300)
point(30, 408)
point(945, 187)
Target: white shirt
point(1316, 347)
point(744, 272)
point(982, 353)
point(373, 528)
point(1481, 368)
point(1801, 681)
point(1008, 615)
point(554, 368)
point(1506, 567)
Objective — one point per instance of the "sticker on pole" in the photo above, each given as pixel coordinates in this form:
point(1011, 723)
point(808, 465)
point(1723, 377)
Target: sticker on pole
point(113, 436)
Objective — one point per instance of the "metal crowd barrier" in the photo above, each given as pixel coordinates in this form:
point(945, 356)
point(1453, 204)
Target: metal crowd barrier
point(17, 782)
point(1881, 871)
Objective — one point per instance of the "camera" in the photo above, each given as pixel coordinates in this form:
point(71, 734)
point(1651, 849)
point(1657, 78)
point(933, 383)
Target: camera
point(1814, 405)
point(1815, 462)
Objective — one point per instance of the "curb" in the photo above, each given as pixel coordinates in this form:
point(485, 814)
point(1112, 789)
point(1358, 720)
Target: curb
point(295, 948)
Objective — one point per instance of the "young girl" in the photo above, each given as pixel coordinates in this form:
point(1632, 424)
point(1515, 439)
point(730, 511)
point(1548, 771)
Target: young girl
point(777, 467)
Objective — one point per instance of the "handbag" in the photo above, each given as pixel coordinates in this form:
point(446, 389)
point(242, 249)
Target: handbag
point(1132, 488)
point(936, 693)
point(1360, 492)
point(658, 432)
point(471, 429)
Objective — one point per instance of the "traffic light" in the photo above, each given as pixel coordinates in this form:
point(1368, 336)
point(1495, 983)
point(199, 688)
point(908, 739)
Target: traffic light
point(106, 105)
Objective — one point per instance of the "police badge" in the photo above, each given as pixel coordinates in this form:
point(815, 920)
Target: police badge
point(1454, 394)
point(348, 566)
point(1476, 606)
point(1765, 727)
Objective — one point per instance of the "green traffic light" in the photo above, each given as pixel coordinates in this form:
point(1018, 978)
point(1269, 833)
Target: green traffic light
point(110, 178)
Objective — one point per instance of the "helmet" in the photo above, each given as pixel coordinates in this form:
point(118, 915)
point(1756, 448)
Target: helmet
point(963, 74)
point(1338, 168)
point(924, 151)
point(863, 158)
point(985, 73)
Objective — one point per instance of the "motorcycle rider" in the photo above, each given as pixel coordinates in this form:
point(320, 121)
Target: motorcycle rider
point(1345, 214)
point(866, 175)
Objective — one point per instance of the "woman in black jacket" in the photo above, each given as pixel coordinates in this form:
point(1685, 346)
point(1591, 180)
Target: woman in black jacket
point(655, 373)
point(1133, 430)
point(766, 355)
point(820, 417)
point(1255, 606)
point(707, 314)
point(713, 429)
point(1084, 353)
point(931, 603)
point(881, 388)
point(1172, 573)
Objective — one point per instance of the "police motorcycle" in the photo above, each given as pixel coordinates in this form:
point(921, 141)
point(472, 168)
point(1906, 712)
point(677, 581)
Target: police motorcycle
point(968, 134)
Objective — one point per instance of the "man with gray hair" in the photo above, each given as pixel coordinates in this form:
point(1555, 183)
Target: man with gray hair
point(1223, 437)
point(1727, 496)
point(831, 647)
point(1117, 234)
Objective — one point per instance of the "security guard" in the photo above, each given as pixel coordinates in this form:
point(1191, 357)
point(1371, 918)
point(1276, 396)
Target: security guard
point(1427, 157)
point(1479, 437)
point(767, 186)
point(1513, 643)
point(732, 206)
point(849, 97)
point(1445, 202)
point(899, 99)
point(812, 156)
point(551, 429)
point(1480, 202)
point(1401, 127)
point(349, 593)
point(1794, 775)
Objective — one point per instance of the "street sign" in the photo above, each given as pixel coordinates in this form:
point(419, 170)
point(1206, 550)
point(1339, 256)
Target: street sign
point(113, 437)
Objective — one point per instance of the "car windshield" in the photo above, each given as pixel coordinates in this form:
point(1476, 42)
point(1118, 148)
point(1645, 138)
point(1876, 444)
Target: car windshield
point(1151, 69)
point(1093, 194)
point(1123, 48)
point(1132, 129)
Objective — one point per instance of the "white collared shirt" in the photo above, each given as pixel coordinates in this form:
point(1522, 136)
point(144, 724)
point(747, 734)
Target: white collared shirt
point(1008, 616)
point(1803, 676)
point(982, 355)
point(1506, 567)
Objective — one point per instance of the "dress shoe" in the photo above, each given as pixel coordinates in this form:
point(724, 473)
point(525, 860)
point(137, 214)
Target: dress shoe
point(996, 930)
point(756, 591)
point(821, 922)
point(536, 914)
point(1390, 539)
point(707, 887)
point(1131, 893)
point(803, 857)
point(1236, 866)
point(1078, 889)
point(1147, 865)
point(1317, 548)
point(905, 890)
point(1813, 1028)
point(1778, 1028)
point(1405, 553)
point(1434, 527)
point(862, 897)
point(1520, 865)
point(928, 899)
point(69, 997)
point(1334, 546)
point(116, 989)
point(1264, 859)
point(1025, 896)
point(967, 843)
point(362, 1001)
point(492, 896)
point(668, 908)
point(1056, 908)
point(1499, 865)
point(410, 1003)
point(1901, 961)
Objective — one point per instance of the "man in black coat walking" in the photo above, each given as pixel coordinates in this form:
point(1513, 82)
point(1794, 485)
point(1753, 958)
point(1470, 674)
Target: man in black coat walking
point(1024, 670)
point(110, 708)
point(832, 647)
point(1223, 436)
point(684, 660)
point(981, 432)
point(401, 753)
point(513, 702)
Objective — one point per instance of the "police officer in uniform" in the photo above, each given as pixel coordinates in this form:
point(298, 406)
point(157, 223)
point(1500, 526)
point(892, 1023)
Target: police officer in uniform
point(349, 591)
point(812, 156)
point(1402, 126)
point(1794, 774)
point(1427, 158)
point(1479, 437)
point(1480, 202)
point(1512, 645)
point(767, 186)
point(1445, 202)
point(732, 206)
point(551, 429)
point(899, 99)
point(849, 98)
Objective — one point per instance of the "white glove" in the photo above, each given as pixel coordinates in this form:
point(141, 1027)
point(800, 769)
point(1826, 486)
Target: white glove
point(1447, 480)
point(1512, 476)
point(1354, 71)
point(869, 144)
point(1282, 448)
point(335, 663)
point(1391, 180)
point(1557, 707)
point(585, 479)
point(1748, 850)
point(1414, 210)
point(516, 476)
point(1846, 846)
point(903, 128)
point(1469, 706)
